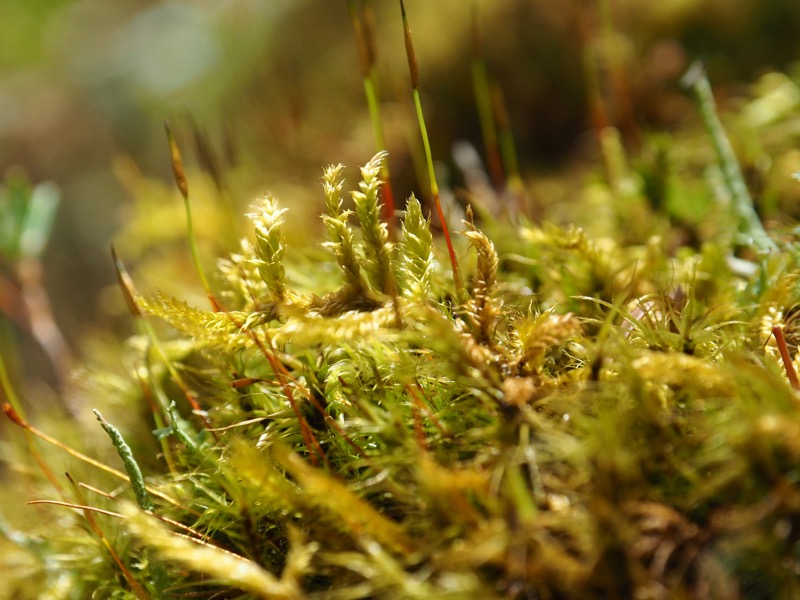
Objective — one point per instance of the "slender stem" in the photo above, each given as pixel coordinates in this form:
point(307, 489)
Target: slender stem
point(791, 373)
point(435, 193)
point(183, 186)
point(413, 68)
point(426, 144)
point(83, 507)
point(193, 247)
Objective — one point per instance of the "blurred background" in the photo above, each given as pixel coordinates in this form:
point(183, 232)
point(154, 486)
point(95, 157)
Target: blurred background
point(263, 93)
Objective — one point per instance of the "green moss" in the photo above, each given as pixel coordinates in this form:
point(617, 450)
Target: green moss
point(600, 414)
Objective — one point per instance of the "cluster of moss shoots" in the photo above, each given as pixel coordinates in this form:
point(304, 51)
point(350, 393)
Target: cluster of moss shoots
point(575, 418)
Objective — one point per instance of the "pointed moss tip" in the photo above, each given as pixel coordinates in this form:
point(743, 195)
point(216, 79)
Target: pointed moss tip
point(12, 414)
point(411, 55)
point(693, 74)
point(177, 163)
point(125, 284)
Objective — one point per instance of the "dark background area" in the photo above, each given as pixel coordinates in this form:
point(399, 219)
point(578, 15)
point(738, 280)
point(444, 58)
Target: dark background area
point(275, 87)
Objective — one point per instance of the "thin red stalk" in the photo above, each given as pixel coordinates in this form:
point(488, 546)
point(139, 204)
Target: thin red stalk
point(417, 407)
point(278, 367)
point(419, 430)
point(791, 373)
point(388, 202)
point(414, 392)
point(309, 439)
point(97, 491)
point(245, 381)
point(43, 465)
point(82, 507)
point(136, 587)
point(100, 492)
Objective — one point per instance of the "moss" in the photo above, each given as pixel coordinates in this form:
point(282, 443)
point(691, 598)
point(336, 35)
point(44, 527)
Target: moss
point(596, 414)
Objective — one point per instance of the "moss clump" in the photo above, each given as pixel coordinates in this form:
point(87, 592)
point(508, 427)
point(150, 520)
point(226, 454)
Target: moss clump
point(385, 440)
point(599, 412)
